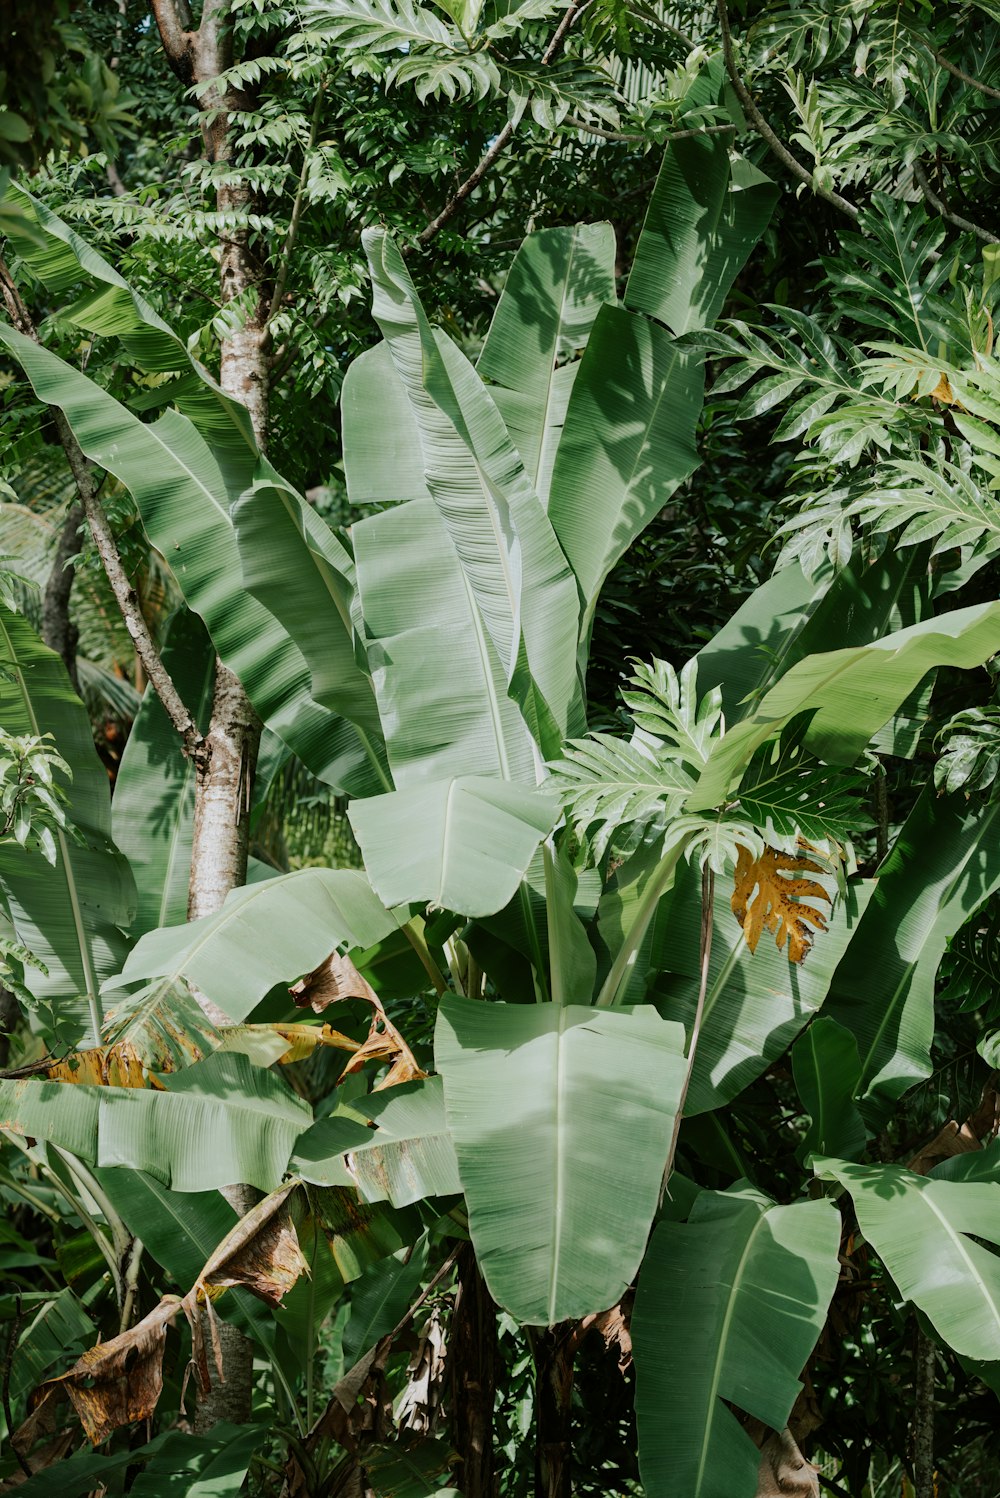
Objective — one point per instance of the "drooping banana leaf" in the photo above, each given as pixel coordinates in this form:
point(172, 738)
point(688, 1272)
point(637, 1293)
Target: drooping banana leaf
point(546, 1103)
point(461, 844)
point(556, 284)
point(61, 260)
point(791, 616)
point(729, 1307)
point(248, 1114)
point(515, 568)
point(263, 935)
point(924, 1231)
point(185, 1465)
point(756, 1003)
point(851, 693)
point(294, 564)
point(406, 1157)
point(153, 812)
point(184, 490)
point(627, 445)
point(943, 865)
point(71, 916)
point(181, 1230)
point(441, 690)
point(703, 220)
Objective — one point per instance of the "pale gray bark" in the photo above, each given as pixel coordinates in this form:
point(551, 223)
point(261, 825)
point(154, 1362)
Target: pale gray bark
point(226, 769)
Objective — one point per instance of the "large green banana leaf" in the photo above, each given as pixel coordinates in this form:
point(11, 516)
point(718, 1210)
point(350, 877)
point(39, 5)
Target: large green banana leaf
point(60, 259)
point(176, 1463)
point(791, 616)
point(461, 844)
point(153, 812)
point(561, 1117)
point(296, 567)
point(925, 1232)
point(851, 693)
point(756, 1002)
point(626, 446)
point(441, 689)
point(730, 1305)
point(248, 1114)
point(515, 568)
point(703, 220)
point(557, 282)
point(383, 459)
point(263, 935)
point(943, 865)
point(72, 915)
point(60, 1326)
point(408, 1156)
point(184, 489)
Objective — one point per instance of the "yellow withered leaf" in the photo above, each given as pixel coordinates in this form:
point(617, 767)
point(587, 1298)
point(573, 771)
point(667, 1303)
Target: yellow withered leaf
point(767, 896)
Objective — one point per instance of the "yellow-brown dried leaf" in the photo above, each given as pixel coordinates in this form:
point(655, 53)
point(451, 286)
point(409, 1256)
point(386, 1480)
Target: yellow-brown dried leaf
point(769, 895)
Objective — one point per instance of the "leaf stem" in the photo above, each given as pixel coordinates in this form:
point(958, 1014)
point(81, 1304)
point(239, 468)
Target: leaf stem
point(764, 130)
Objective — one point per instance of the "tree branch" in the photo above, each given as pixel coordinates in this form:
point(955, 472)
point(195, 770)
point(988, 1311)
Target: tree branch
point(573, 11)
point(949, 67)
point(107, 547)
point(281, 279)
point(176, 27)
point(941, 207)
point(763, 128)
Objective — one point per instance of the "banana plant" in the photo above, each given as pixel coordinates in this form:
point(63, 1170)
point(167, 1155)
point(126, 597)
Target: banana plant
point(616, 935)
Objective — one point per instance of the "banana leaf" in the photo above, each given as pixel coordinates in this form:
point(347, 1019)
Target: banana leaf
point(70, 916)
point(460, 844)
point(557, 282)
point(729, 1307)
point(153, 812)
point(264, 934)
point(925, 1232)
point(561, 1116)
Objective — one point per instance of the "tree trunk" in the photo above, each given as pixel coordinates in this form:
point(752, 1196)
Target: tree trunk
point(58, 632)
point(226, 773)
point(924, 1354)
point(553, 1413)
point(472, 1354)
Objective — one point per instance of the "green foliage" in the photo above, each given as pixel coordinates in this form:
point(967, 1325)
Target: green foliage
point(416, 633)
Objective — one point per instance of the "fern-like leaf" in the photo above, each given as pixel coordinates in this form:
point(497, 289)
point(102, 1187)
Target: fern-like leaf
point(971, 757)
point(615, 790)
point(665, 706)
point(790, 795)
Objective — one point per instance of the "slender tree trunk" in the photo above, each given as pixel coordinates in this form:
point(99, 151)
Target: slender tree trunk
point(553, 1413)
point(58, 631)
point(226, 772)
point(923, 1417)
point(472, 1354)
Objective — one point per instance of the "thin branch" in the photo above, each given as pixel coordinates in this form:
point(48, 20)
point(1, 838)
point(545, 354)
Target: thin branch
point(949, 67)
point(125, 594)
point(941, 207)
point(281, 280)
point(573, 11)
point(763, 128)
point(620, 135)
point(707, 924)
